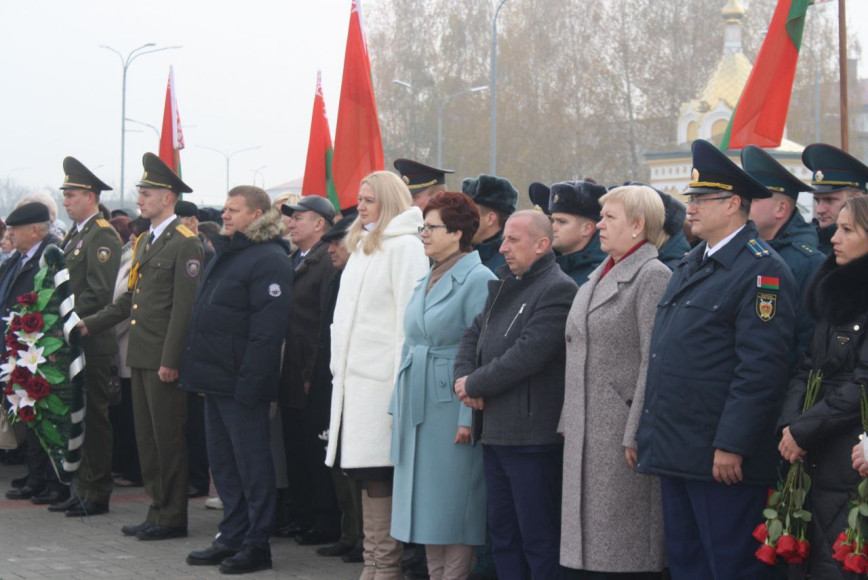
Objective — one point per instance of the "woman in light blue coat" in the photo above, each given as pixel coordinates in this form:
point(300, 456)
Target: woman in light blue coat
point(439, 488)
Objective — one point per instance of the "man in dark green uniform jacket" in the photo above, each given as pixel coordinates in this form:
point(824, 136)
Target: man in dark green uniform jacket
point(166, 268)
point(497, 199)
point(837, 176)
point(779, 223)
point(92, 250)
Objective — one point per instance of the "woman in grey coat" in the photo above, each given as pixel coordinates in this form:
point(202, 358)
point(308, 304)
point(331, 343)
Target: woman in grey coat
point(612, 522)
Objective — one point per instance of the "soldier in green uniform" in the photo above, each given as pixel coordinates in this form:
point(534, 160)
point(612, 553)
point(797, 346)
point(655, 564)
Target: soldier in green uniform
point(166, 269)
point(837, 176)
point(92, 250)
point(779, 223)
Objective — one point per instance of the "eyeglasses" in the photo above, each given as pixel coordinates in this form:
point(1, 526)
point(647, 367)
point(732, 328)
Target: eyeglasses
point(698, 201)
point(428, 228)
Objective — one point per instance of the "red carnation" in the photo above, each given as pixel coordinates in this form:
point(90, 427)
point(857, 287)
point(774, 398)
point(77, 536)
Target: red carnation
point(761, 533)
point(37, 387)
point(787, 547)
point(28, 299)
point(20, 376)
point(842, 547)
point(32, 322)
point(26, 414)
point(804, 549)
point(766, 554)
point(856, 563)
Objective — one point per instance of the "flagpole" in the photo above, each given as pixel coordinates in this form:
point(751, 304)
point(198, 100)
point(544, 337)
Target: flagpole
point(842, 58)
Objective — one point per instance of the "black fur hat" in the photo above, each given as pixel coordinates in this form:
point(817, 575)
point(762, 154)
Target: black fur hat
point(491, 191)
point(577, 198)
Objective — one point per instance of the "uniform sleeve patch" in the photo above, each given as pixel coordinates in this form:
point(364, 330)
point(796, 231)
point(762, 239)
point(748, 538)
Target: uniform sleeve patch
point(274, 290)
point(768, 282)
point(766, 306)
point(103, 254)
point(193, 267)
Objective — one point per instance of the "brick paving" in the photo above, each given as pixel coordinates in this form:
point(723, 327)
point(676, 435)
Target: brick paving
point(36, 544)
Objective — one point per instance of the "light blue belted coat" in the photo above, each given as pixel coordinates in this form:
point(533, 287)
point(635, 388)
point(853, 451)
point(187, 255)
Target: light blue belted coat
point(439, 491)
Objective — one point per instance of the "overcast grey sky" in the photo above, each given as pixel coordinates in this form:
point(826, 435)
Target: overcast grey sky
point(245, 77)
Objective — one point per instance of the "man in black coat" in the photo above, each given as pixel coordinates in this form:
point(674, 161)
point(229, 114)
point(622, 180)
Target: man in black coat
point(716, 377)
point(313, 499)
point(233, 356)
point(510, 365)
point(28, 226)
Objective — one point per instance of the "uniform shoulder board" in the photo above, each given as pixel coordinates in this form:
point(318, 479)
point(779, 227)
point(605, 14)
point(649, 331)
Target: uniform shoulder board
point(806, 249)
point(757, 249)
point(103, 223)
point(185, 231)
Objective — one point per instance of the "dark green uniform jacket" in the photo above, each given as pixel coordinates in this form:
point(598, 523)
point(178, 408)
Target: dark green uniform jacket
point(579, 265)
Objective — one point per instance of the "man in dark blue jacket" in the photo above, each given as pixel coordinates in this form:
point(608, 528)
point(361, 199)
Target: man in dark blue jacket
point(233, 357)
point(716, 377)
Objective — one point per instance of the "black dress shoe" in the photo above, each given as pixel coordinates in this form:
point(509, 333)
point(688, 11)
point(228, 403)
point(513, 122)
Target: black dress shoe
point(51, 495)
point(134, 530)
point(87, 508)
point(19, 482)
point(64, 506)
point(211, 556)
point(354, 555)
point(317, 537)
point(197, 491)
point(25, 492)
point(158, 532)
point(249, 559)
point(338, 549)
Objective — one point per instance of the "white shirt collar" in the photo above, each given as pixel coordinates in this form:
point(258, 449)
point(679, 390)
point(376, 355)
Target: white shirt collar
point(26, 257)
point(709, 251)
point(158, 231)
point(80, 225)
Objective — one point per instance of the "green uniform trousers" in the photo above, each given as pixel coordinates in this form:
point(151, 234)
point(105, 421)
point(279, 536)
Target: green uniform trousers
point(93, 480)
point(160, 412)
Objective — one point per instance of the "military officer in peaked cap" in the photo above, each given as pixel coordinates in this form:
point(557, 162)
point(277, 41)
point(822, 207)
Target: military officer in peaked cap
point(166, 268)
point(574, 207)
point(92, 250)
point(716, 377)
point(837, 176)
point(422, 180)
point(779, 223)
point(497, 200)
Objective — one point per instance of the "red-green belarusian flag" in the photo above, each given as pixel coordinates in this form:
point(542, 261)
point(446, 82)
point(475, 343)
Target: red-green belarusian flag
point(318, 169)
point(358, 146)
point(171, 137)
point(761, 114)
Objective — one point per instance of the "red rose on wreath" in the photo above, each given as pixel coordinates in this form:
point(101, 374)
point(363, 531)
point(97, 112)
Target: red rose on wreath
point(26, 414)
point(15, 324)
point(32, 322)
point(766, 554)
point(9, 390)
point(37, 387)
point(841, 547)
point(20, 376)
point(761, 533)
point(804, 549)
point(28, 299)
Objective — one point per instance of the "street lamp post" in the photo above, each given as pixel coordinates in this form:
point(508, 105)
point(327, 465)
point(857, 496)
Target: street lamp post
point(143, 124)
point(228, 156)
point(125, 63)
point(494, 89)
point(259, 171)
point(440, 118)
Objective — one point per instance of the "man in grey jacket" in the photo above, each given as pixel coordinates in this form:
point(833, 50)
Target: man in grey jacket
point(510, 369)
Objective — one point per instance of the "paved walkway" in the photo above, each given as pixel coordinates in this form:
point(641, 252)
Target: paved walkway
point(35, 544)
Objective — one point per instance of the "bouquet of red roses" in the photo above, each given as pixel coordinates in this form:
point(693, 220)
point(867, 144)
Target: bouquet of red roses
point(782, 534)
point(850, 547)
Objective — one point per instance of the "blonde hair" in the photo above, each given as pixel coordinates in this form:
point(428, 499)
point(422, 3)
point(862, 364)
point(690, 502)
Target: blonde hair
point(393, 197)
point(641, 203)
point(288, 198)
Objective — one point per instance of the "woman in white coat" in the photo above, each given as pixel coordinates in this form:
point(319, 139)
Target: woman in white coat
point(387, 260)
